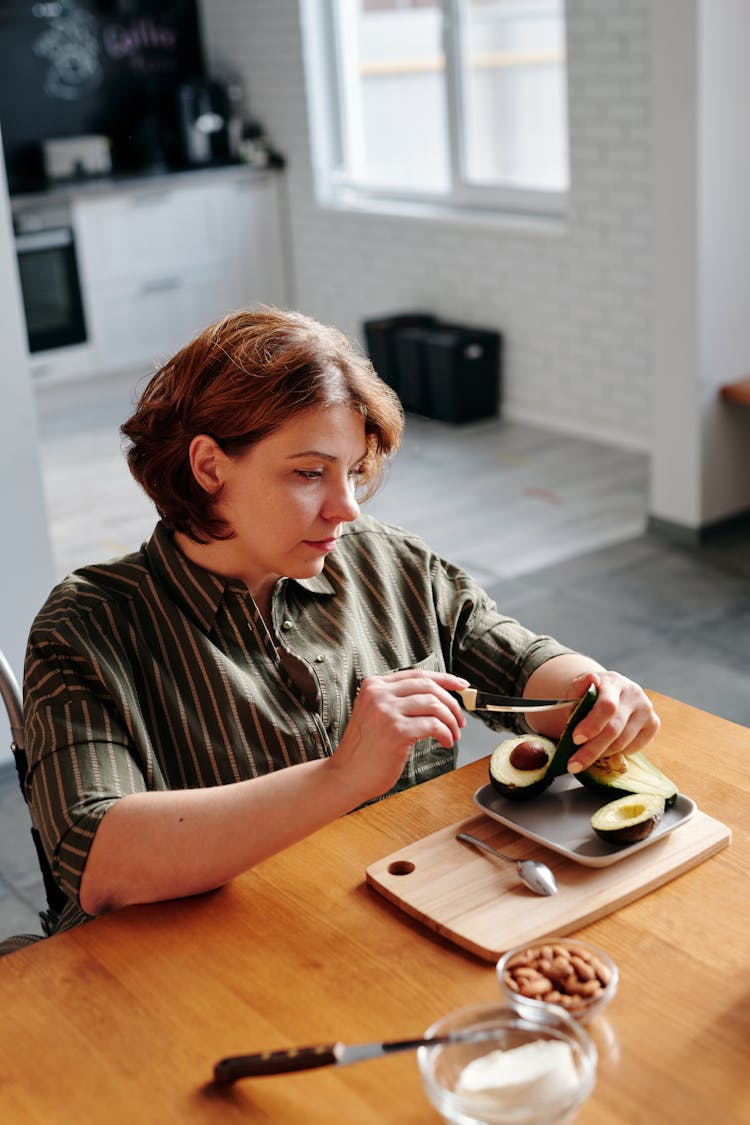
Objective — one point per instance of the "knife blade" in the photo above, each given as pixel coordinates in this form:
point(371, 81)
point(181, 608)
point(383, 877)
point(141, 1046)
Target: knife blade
point(228, 1070)
point(474, 700)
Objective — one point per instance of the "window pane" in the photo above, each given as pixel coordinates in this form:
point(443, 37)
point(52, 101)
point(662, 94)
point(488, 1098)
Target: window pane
point(513, 93)
point(393, 87)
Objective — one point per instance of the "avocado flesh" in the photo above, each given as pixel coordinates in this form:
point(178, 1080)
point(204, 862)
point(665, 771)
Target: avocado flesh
point(628, 819)
point(522, 785)
point(640, 776)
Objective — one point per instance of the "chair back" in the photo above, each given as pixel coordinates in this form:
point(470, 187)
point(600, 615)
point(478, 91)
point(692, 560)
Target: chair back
point(11, 696)
point(12, 699)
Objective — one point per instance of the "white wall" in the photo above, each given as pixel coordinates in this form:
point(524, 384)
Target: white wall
point(574, 305)
point(701, 458)
point(676, 462)
point(25, 554)
point(723, 252)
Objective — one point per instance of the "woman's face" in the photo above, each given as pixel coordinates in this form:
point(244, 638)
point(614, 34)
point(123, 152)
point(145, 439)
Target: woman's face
point(287, 497)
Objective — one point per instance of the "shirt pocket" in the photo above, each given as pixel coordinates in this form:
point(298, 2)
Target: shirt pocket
point(426, 662)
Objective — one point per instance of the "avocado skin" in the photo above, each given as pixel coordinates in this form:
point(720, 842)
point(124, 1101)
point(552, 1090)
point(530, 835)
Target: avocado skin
point(630, 835)
point(620, 785)
point(521, 792)
point(566, 747)
point(558, 762)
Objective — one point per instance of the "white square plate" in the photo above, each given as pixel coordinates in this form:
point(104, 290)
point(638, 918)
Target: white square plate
point(560, 819)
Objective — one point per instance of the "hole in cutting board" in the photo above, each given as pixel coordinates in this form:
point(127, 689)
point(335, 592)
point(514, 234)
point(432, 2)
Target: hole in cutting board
point(400, 867)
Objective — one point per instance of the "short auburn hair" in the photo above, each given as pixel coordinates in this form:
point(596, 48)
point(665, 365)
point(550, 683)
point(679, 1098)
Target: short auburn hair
point(239, 381)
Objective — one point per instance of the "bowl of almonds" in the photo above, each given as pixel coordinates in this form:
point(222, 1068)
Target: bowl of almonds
point(566, 972)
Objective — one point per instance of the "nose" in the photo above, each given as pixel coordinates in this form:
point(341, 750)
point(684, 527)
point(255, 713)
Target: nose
point(341, 505)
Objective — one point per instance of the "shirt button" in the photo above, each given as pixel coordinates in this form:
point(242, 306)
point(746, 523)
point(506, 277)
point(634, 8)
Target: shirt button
point(334, 726)
point(286, 625)
point(319, 658)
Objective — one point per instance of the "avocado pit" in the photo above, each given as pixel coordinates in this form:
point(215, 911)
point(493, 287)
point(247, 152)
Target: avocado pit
point(531, 754)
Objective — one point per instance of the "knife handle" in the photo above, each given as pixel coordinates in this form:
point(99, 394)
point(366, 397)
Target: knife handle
point(230, 1069)
point(467, 698)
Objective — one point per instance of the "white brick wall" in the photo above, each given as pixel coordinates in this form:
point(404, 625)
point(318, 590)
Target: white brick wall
point(573, 305)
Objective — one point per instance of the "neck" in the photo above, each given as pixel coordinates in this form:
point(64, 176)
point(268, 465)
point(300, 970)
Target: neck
point(211, 557)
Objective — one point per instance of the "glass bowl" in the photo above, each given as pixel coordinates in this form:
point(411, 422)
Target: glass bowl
point(533, 1069)
point(580, 978)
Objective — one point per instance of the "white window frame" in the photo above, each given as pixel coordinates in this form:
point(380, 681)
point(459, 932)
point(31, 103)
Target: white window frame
point(321, 29)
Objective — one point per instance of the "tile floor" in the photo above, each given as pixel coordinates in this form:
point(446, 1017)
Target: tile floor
point(552, 526)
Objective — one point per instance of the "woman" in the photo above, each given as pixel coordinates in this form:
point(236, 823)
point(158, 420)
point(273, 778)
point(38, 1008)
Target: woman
point(270, 659)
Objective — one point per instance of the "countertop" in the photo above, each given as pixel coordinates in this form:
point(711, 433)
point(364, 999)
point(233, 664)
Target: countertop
point(64, 194)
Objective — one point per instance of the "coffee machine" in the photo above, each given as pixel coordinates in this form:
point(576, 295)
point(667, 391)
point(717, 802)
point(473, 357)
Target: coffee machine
point(202, 123)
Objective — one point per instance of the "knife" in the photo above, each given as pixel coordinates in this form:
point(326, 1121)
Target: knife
point(228, 1070)
point(474, 700)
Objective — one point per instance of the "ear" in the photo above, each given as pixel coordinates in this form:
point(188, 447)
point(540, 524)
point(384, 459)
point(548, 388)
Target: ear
point(208, 462)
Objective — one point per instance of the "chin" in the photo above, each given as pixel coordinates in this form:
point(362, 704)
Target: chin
point(307, 570)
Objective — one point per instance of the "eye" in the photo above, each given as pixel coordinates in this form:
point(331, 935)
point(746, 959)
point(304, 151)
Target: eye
point(357, 472)
point(309, 474)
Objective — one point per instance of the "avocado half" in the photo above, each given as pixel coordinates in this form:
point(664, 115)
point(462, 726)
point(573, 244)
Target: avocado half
point(639, 776)
point(524, 766)
point(520, 767)
point(628, 819)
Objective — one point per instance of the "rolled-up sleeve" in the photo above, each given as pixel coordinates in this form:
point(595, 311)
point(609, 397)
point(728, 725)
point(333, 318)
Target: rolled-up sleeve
point(79, 758)
point(496, 653)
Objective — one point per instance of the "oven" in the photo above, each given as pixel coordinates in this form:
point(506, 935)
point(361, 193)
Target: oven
point(49, 279)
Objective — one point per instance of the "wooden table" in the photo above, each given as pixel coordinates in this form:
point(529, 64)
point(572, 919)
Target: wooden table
point(121, 1020)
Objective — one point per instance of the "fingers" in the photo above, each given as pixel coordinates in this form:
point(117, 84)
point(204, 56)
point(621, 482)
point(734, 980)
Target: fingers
point(429, 713)
point(622, 719)
point(415, 704)
point(391, 712)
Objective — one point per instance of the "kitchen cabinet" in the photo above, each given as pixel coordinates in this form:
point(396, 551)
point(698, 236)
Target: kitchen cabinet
point(146, 234)
point(144, 322)
point(161, 259)
point(251, 245)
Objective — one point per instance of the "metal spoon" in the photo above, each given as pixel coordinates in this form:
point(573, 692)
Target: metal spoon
point(536, 876)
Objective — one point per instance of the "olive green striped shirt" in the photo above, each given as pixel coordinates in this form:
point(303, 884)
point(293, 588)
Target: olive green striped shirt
point(150, 673)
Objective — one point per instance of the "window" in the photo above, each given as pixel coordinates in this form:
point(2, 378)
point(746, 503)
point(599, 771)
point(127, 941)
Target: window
point(461, 102)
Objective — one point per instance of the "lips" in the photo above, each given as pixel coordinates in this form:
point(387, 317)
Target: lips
point(323, 544)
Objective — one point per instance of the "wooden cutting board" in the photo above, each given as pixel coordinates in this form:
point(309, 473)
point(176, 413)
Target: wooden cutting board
point(478, 902)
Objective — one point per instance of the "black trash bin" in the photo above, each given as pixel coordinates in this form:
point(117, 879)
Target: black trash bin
point(380, 339)
point(463, 369)
point(413, 375)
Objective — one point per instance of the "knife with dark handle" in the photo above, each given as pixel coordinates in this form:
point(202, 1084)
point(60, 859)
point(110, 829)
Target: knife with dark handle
point(474, 700)
point(228, 1070)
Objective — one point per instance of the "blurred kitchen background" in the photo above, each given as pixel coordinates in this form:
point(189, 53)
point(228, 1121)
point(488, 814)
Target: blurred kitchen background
point(532, 214)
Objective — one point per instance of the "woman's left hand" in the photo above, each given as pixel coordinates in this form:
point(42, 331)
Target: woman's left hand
point(622, 719)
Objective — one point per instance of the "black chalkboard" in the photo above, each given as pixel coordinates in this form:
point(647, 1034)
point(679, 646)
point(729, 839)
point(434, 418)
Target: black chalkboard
point(70, 67)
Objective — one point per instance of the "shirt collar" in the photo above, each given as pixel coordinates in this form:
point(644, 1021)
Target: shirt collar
point(198, 590)
point(318, 584)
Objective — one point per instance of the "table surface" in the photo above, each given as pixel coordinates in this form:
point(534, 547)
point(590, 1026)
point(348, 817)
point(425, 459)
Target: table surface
point(122, 1019)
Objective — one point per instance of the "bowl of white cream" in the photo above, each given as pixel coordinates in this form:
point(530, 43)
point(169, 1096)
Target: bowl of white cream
point(507, 1068)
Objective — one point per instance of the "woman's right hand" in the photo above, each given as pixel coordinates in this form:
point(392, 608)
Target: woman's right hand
point(391, 713)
